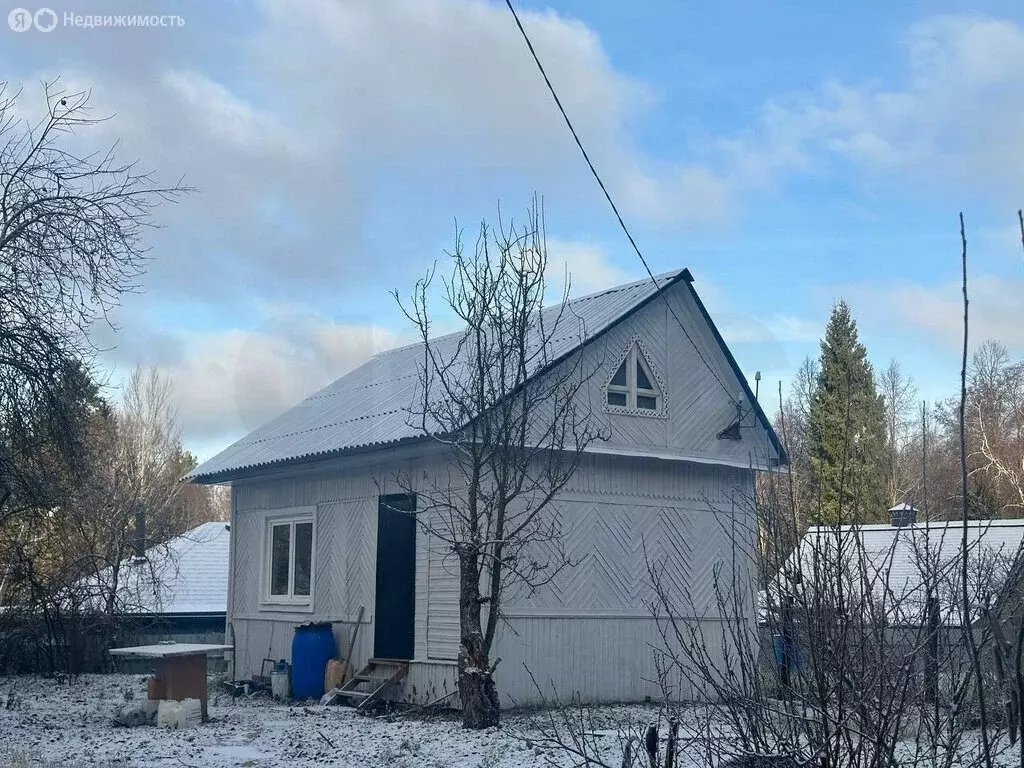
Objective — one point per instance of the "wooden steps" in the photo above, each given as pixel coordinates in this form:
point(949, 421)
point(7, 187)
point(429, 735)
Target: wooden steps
point(370, 684)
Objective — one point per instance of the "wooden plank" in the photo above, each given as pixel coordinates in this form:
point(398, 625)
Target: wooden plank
point(351, 645)
point(381, 683)
point(167, 650)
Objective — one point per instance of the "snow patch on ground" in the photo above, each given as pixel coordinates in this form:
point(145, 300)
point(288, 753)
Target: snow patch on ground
point(49, 723)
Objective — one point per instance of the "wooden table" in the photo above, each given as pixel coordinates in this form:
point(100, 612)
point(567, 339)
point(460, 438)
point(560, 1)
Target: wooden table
point(181, 667)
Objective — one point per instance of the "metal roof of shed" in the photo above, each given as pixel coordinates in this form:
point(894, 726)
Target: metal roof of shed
point(368, 406)
point(898, 559)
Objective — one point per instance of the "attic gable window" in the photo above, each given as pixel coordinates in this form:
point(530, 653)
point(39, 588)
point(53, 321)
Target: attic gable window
point(634, 387)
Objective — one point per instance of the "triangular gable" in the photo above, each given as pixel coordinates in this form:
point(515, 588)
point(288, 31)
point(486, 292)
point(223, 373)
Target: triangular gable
point(700, 407)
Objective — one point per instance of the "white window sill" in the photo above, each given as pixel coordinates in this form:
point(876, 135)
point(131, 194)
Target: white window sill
point(286, 606)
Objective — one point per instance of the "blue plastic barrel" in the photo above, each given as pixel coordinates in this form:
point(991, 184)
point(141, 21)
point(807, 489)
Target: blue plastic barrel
point(786, 651)
point(312, 648)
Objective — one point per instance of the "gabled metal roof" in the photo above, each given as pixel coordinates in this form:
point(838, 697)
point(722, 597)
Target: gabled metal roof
point(897, 561)
point(368, 407)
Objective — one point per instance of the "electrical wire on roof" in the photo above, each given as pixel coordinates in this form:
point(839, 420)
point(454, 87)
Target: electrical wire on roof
point(611, 202)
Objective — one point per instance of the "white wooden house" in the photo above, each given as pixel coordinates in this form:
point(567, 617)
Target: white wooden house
point(686, 439)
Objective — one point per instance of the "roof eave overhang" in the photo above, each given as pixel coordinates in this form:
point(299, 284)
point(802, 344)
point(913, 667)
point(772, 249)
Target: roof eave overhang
point(228, 476)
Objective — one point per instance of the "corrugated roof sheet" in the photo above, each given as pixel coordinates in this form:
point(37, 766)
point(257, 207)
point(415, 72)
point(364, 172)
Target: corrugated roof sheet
point(369, 405)
point(897, 559)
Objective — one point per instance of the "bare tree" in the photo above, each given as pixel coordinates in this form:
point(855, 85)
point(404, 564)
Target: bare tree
point(795, 413)
point(139, 484)
point(71, 242)
point(76, 567)
point(794, 501)
point(514, 419)
point(900, 395)
point(995, 424)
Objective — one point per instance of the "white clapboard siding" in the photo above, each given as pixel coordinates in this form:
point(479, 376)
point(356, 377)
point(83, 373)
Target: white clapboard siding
point(443, 597)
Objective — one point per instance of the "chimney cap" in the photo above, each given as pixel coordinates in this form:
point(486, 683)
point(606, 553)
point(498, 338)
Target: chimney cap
point(902, 515)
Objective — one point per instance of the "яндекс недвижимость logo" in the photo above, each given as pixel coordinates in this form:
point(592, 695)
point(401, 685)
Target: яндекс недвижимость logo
point(22, 19)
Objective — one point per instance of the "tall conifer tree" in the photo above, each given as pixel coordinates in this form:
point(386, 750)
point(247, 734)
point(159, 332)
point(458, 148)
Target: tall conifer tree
point(846, 431)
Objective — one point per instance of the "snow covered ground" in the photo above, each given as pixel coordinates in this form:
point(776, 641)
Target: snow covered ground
point(48, 723)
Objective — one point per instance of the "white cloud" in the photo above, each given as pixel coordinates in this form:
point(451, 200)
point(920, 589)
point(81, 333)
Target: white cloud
point(899, 311)
point(231, 381)
point(740, 329)
point(220, 115)
point(996, 310)
point(420, 80)
point(958, 118)
point(586, 265)
point(288, 137)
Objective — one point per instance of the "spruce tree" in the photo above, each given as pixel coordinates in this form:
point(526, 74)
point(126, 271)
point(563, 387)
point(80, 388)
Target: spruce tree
point(846, 429)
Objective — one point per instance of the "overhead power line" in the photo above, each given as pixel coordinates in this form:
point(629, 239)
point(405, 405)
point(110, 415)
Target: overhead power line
point(611, 202)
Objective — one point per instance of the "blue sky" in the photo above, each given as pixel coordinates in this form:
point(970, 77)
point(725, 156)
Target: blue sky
point(789, 153)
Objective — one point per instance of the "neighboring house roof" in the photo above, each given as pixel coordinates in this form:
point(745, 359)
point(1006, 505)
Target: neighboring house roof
point(898, 562)
point(185, 575)
point(367, 407)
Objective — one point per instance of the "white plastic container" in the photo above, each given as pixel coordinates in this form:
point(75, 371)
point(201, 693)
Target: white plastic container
point(279, 685)
point(168, 714)
point(179, 714)
point(190, 714)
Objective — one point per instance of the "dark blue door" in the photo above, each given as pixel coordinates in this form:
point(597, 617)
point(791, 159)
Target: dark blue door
point(396, 577)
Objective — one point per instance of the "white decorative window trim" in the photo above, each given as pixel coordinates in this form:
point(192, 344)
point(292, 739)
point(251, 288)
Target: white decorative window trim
point(619, 410)
point(291, 517)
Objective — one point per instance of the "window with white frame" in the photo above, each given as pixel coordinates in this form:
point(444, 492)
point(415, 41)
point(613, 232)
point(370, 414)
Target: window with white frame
point(634, 387)
point(288, 559)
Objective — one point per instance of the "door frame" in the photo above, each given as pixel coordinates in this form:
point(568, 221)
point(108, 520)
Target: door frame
point(394, 505)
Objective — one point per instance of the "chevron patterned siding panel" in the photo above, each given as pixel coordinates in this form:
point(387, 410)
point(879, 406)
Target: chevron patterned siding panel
point(358, 531)
point(248, 556)
point(621, 515)
point(591, 631)
point(610, 547)
point(600, 659)
point(330, 560)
